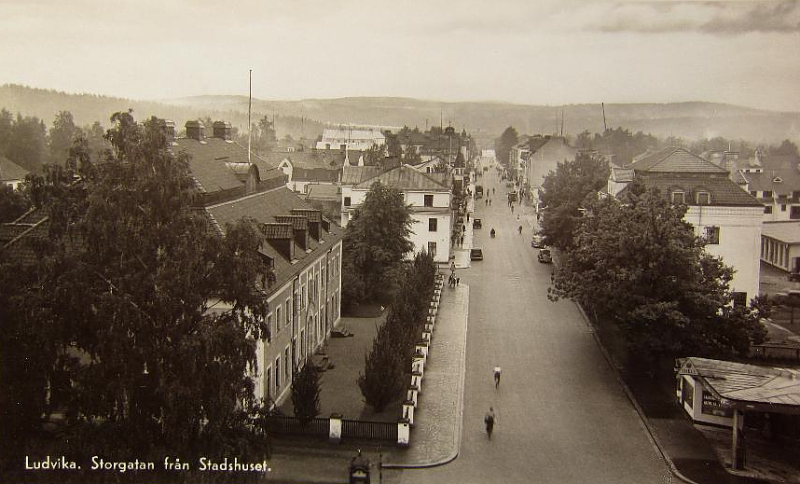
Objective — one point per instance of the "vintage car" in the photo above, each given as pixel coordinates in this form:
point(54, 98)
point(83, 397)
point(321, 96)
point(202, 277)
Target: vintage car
point(476, 254)
point(544, 256)
point(537, 242)
point(477, 224)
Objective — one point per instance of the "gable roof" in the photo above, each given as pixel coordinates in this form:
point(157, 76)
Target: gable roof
point(208, 162)
point(767, 180)
point(674, 159)
point(723, 191)
point(405, 178)
point(10, 171)
point(310, 159)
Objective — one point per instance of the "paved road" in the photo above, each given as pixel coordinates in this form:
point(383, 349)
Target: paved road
point(561, 414)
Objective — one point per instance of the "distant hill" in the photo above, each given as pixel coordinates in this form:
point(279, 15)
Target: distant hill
point(88, 108)
point(688, 120)
point(485, 120)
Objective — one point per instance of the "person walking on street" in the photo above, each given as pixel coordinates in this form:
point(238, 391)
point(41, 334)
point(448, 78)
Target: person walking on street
point(489, 421)
point(497, 372)
point(520, 230)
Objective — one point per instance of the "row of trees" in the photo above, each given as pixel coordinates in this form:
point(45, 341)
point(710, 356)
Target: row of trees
point(109, 323)
point(388, 364)
point(28, 142)
point(638, 265)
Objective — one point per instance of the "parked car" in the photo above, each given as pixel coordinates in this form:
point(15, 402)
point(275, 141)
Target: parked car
point(476, 254)
point(477, 224)
point(544, 256)
point(512, 196)
point(478, 191)
point(537, 242)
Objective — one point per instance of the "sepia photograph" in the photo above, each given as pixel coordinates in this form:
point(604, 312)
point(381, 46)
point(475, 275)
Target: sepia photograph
point(400, 242)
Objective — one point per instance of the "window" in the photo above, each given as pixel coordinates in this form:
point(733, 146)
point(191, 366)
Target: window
point(288, 309)
point(270, 328)
point(268, 383)
point(302, 344)
point(712, 235)
point(432, 249)
point(739, 298)
point(303, 297)
point(794, 212)
point(703, 198)
point(428, 200)
point(754, 193)
point(287, 367)
point(277, 374)
point(346, 201)
point(678, 198)
point(278, 320)
point(767, 208)
point(767, 193)
point(783, 208)
point(432, 224)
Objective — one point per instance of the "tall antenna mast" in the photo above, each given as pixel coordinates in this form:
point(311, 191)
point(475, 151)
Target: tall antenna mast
point(249, 123)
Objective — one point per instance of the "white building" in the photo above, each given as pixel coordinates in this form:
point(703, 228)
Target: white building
point(351, 138)
point(726, 215)
point(11, 174)
point(428, 195)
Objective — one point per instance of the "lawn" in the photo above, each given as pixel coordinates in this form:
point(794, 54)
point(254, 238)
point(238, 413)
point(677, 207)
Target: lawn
point(340, 392)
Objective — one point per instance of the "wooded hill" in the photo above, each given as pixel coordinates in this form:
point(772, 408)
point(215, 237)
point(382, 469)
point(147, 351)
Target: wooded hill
point(485, 120)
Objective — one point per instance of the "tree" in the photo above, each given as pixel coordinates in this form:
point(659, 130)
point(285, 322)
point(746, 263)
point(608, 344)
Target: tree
point(61, 136)
point(377, 239)
point(119, 299)
point(382, 380)
point(565, 192)
point(305, 392)
point(639, 265)
point(393, 147)
point(786, 148)
point(27, 144)
point(504, 143)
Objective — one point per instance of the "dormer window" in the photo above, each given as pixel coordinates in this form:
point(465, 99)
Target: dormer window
point(703, 198)
point(678, 197)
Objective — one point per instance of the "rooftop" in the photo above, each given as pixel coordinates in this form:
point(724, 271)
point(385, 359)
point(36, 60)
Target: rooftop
point(723, 191)
point(405, 178)
point(788, 232)
point(11, 171)
point(744, 384)
point(673, 160)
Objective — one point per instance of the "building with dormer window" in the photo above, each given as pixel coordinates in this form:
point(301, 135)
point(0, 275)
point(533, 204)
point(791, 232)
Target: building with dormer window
point(722, 212)
point(427, 194)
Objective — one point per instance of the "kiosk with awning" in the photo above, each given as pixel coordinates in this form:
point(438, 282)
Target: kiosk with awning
point(721, 393)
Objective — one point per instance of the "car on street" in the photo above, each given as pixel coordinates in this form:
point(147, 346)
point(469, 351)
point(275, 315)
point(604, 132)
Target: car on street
point(476, 253)
point(544, 256)
point(478, 191)
point(537, 242)
point(477, 224)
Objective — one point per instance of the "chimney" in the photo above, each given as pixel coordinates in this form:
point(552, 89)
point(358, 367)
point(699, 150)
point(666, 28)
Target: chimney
point(195, 130)
point(280, 237)
point(300, 226)
point(168, 128)
point(314, 218)
point(222, 130)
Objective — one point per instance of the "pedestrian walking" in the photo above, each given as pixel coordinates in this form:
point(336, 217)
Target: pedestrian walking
point(458, 281)
point(512, 209)
point(462, 241)
point(489, 421)
point(497, 372)
point(520, 230)
point(467, 217)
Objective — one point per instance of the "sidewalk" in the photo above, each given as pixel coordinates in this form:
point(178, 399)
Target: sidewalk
point(436, 435)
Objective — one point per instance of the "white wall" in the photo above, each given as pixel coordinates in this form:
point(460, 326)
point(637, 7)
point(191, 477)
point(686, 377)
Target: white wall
point(739, 241)
point(420, 235)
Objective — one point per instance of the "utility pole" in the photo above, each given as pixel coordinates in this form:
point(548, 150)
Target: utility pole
point(249, 123)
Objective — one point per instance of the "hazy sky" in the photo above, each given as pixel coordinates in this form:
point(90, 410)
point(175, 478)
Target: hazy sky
point(521, 51)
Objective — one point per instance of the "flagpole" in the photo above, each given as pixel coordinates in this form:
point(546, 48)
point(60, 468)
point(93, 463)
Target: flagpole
point(249, 123)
